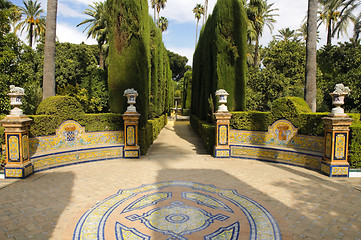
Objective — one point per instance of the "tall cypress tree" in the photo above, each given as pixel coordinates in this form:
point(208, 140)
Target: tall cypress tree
point(220, 58)
point(137, 59)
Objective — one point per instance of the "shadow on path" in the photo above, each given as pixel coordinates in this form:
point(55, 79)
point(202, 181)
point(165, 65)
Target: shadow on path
point(30, 208)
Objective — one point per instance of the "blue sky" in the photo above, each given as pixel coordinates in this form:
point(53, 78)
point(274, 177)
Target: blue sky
point(180, 36)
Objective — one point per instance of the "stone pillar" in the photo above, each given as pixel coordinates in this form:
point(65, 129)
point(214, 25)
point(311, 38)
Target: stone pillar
point(337, 128)
point(334, 162)
point(131, 118)
point(18, 164)
point(222, 149)
point(131, 148)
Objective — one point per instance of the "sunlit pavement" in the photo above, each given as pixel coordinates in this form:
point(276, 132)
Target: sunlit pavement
point(177, 180)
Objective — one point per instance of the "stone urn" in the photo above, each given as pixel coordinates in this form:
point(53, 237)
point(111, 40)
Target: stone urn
point(338, 99)
point(222, 94)
point(131, 95)
point(16, 95)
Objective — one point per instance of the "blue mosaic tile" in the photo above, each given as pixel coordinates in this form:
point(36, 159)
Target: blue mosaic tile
point(177, 210)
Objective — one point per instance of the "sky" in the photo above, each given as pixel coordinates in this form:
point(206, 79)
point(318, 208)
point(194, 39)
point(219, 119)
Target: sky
point(181, 33)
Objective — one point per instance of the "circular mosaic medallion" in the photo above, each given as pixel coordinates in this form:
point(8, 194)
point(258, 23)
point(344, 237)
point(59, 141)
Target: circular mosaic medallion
point(177, 211)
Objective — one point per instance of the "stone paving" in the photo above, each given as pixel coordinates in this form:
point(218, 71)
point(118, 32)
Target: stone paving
point(305, 203)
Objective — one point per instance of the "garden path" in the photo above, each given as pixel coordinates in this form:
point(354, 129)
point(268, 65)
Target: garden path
point(66, 202)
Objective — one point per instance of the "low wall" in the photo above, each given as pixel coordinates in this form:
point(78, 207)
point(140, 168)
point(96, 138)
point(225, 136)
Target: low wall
point(72, 144)
point(281, 143)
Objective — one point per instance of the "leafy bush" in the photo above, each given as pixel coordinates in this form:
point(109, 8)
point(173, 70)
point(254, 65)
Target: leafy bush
point(289, 108)
point(2, 134)
point(355, 146)
point(62, 107)
point(150, 132)
point(251, 121)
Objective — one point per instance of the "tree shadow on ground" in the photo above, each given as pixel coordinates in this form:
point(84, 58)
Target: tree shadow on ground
point(30, 208)
point(313, 208)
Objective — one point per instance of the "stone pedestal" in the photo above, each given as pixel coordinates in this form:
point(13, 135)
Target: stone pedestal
point(334, 162)
point(131, 148)
point(222, 149)
point(18, 164)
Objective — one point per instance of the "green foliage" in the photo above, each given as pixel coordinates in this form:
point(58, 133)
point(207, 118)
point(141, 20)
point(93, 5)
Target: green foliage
point(61, 107)
point(2, 134)
point(251, 120)
point(18, 66)
point(219, 61)
point(341, 64)
point(178, 65)
point(187, 90)
point(355, 146)
point(150, 132)
point(289, 108)
point(137, 59)
point(282, 75)
point(206, 131)
point(160, 74)
point(44, 125)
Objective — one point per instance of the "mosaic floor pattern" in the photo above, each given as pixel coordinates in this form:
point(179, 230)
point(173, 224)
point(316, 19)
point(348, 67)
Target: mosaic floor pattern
point(177, 211)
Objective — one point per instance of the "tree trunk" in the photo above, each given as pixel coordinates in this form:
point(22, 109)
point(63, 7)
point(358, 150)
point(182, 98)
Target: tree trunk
point(256, 49)
point(31, 35)
point(311, 51)
point(329, 32)
point(101, 57)
point(49, 50)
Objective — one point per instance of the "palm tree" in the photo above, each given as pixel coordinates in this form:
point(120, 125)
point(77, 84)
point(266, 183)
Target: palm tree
point(49, 50)
point(97, 26)
point(163, 24)
point(198, 11)
point(259, 13)
point(286, 35)
point(8, 13)
point(336, 15)
point(34, 23)
point(160, 4)
point(311, 50)
point(357, 28)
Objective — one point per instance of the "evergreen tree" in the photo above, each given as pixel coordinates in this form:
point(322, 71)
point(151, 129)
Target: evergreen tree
point(220, 58)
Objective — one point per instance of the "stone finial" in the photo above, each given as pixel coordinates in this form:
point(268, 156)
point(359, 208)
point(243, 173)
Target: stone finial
point(16, 94)
point(131, 95)
point(338, 99)
point(222, 100)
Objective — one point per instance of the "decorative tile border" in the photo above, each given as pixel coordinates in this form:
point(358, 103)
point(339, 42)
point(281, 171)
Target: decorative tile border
point(278, 136)
point(71, 135)
point(160, 210)
point(288, 156)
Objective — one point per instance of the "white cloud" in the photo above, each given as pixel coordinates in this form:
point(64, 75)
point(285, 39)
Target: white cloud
point(181, 11)
point(67, 11)
point(188, 52)
point(66, 33)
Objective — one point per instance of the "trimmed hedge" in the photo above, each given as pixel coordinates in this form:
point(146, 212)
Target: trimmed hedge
point(206, 131)
point(150, 132)
point(62, 107)
point(44, 125)
point(355, 146)
point(251, 121)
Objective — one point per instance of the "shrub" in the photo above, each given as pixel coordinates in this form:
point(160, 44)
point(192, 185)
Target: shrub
point(62, 107)
point(2, 134)
point(148, 133)
point(289, 108)
point(355, 146)
point(251, 121)
point(206, 131)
